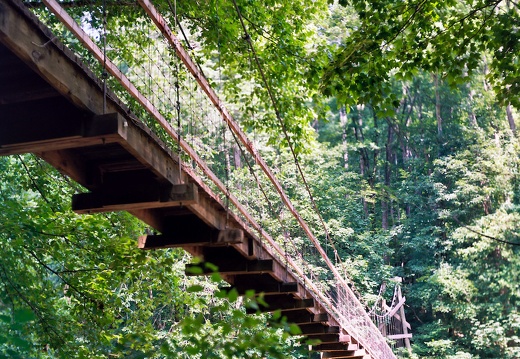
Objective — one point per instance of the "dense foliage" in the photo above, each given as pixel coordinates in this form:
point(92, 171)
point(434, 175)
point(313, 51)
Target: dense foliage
point(77, 286)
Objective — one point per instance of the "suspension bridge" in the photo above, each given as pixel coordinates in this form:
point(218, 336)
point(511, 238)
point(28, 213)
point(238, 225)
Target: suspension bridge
point(129, 143)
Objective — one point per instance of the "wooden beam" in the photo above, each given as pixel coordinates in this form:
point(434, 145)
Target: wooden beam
point(70, 129)
point(406, 325)
point(172, 241)
point(324, 338)
point(179, 231)
point(235, 268)
point(318, 328)
point(267, 289)
point(304, 316)
point(284, 302)
point(399, 336)
point(135, 196)
point(333, 347)
point(345, 354)
point(22, 33)
point(397, 307)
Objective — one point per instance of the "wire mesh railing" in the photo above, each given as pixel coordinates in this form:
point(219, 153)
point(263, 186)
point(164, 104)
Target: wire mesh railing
point(189, 120)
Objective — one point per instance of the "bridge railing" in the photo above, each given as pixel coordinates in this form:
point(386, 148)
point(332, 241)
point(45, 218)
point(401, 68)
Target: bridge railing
point(149, 73)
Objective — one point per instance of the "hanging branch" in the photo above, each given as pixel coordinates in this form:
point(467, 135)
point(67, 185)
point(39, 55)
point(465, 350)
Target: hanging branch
point(485, 235)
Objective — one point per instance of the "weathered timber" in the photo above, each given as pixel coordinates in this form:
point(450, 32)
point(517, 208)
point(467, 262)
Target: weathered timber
point(265, 289)
point(256, 266)
point(334, 347)
point(351, 354)
point(63, 129)
point(209, 237)
point(399, 336)
point(23, 35)
point(284, 302)
point(324, 338)
point(318, 328)
point(245, 274)
point(137, 195)
point(304, 316)
point(401, 302)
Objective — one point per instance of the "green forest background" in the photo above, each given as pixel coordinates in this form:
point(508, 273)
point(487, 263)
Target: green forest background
point(403, 117)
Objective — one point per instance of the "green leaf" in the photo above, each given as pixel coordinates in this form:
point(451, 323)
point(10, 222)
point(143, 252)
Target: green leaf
point(232, 295)
point(195, 288)
point(294, 329)
point(216, 278)
point(194, 270)
point(24, 316)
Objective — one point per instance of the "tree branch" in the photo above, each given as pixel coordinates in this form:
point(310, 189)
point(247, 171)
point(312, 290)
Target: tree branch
point(485, 235)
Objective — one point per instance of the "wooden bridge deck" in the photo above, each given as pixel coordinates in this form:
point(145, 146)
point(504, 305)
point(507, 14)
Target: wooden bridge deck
point(52, 105)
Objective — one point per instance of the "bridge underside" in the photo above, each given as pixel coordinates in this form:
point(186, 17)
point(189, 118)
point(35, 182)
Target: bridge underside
point(52, 106)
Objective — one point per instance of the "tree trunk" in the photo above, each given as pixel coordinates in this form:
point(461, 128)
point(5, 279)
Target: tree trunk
point(385, 206)
point(510, 118)
point(472, 116)
point(438, 105)
point(357, 121)
point(343, 122)
point(236, 156)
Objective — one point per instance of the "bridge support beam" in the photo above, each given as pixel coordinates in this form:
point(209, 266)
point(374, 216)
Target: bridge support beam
point(266, 288)
point(348, 354)
point(187, 230)
point(335, 347)
point(234, 268)
point(318, 328)
point(125, 197)
point(62, 129)
point(284, 302)
point(304, 316)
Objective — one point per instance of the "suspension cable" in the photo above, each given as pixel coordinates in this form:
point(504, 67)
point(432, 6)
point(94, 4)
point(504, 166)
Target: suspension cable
point(247, 38)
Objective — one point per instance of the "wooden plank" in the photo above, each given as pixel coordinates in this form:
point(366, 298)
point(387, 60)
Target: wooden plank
point(151, 152)
point(178, 231)
point(405, 324)
point(172, 241)
point(397, 307)
point(265, 289)
point(345, 354)
point(21, 32)
point(67, 164)
point(304, 316)
point(39, 120)
point(134, 197)
point(63, 132)
point(332, 347)
point(234, 268)
point(284, 303)
point(323, 338)
point(318, 328)
point(399, 336)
